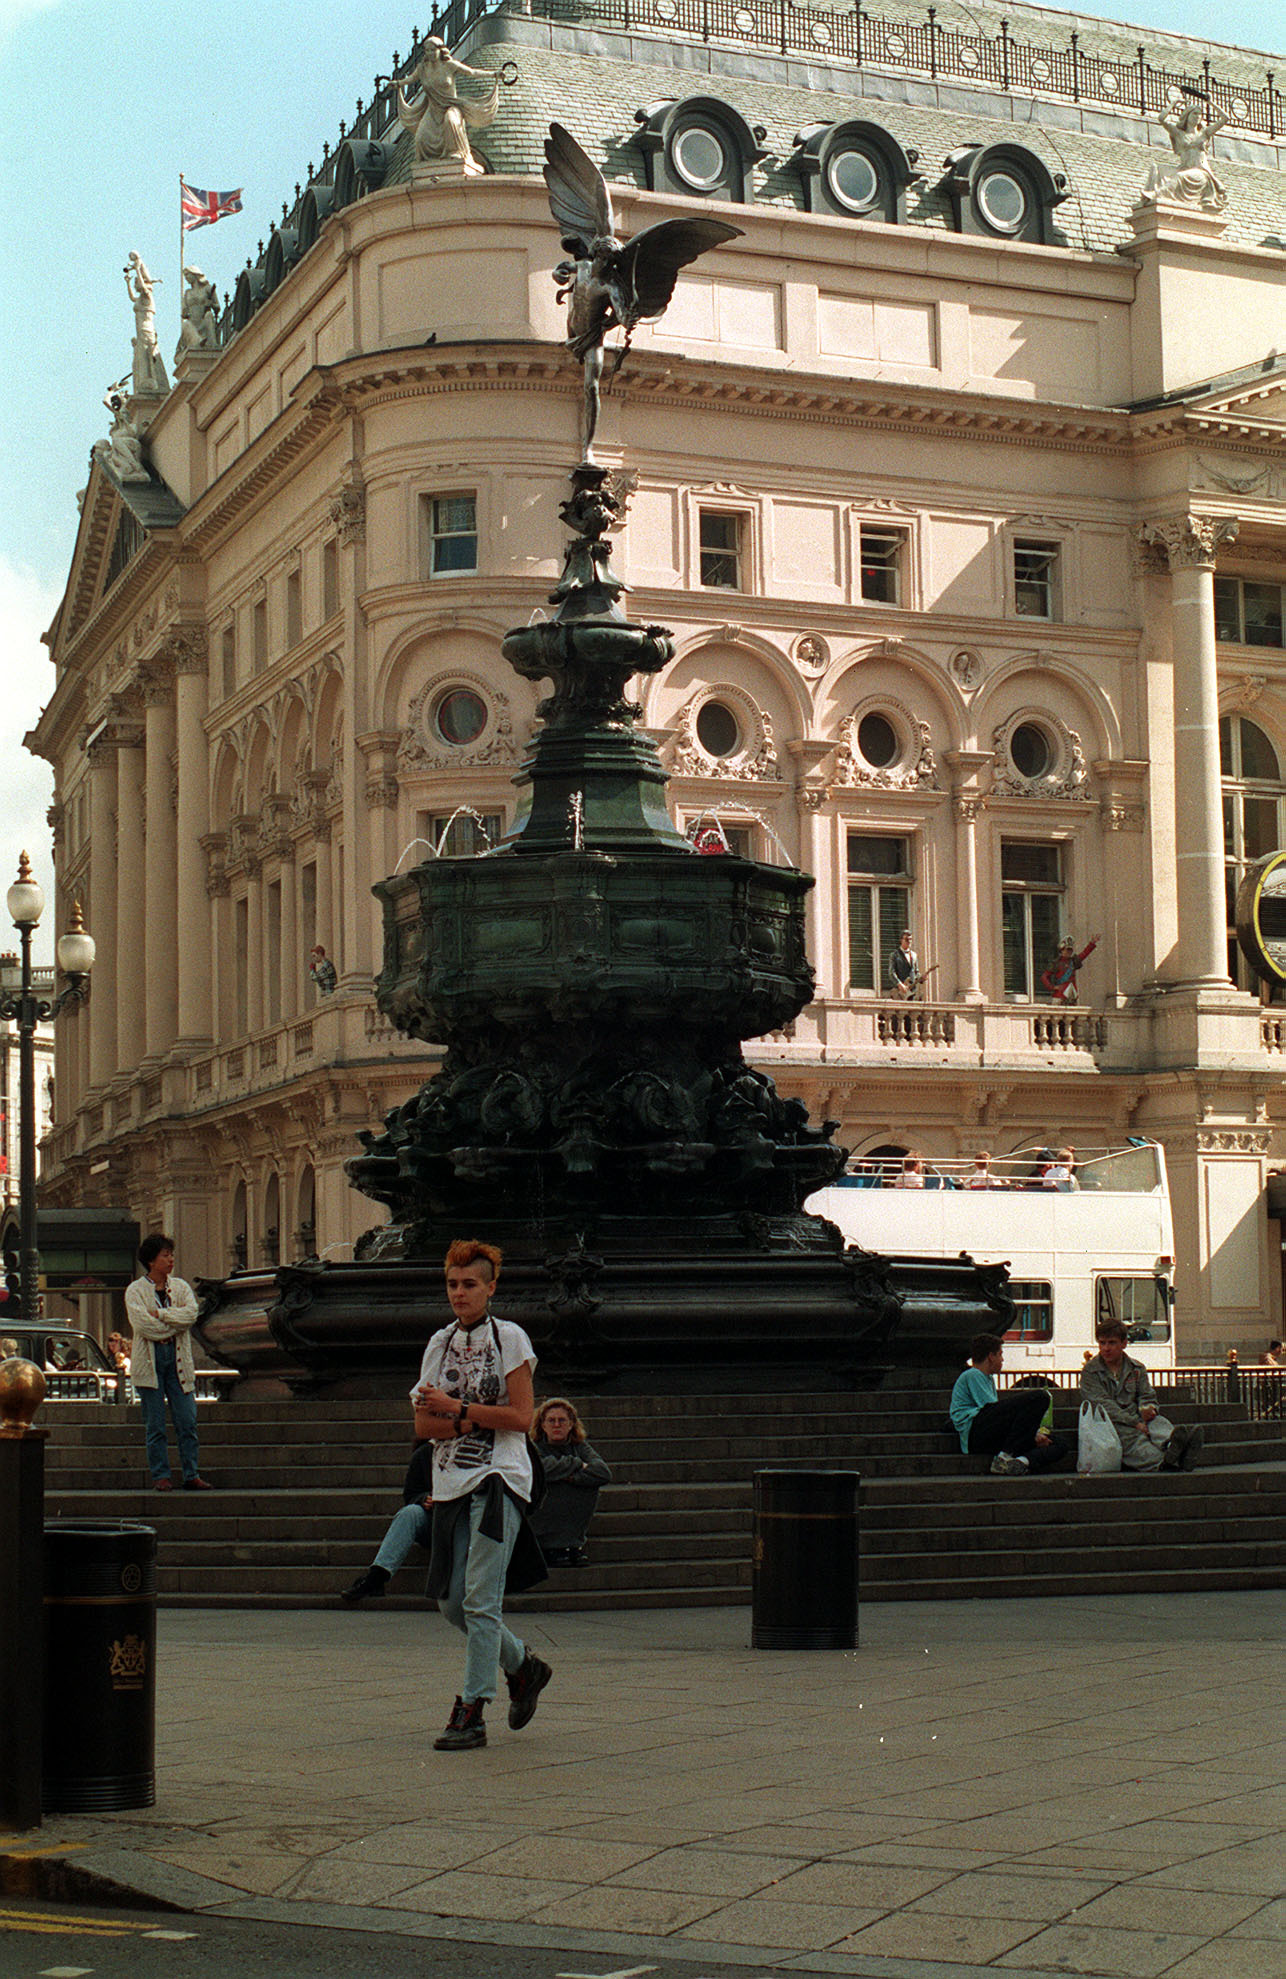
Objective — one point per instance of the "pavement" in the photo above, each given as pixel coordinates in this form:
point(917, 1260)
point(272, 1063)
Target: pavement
point(1023, 1788)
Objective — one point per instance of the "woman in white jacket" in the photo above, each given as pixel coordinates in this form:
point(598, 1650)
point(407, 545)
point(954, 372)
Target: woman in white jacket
point(162, 1311)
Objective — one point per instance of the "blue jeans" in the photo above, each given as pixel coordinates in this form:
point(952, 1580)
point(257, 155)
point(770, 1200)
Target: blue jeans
point(477, 1592)
point(412, 1526)
point(182, 1409)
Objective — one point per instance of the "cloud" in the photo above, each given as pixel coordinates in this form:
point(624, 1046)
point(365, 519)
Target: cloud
point(27, 605)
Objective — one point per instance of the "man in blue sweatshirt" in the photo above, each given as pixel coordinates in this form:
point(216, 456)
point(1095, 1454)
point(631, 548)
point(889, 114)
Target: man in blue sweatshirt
point(1007, 1429)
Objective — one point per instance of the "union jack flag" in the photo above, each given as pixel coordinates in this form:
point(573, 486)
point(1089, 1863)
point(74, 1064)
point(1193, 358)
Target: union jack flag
point(202, 209)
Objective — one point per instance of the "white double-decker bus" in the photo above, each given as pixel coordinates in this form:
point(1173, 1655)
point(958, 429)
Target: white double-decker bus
point(1096, 1243)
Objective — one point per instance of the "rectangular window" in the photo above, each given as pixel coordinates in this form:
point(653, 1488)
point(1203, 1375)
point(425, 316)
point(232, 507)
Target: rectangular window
point(883, 556)
point(1248, 614)
point(720, 550)
point(259, 633)
point(330, 578)
point(1036, 579)
point(272, 940)
point(229, 661)
point(294, 609)
point(879, 905)
point(241, 940)
point(308, 923)
point(1141, 1304)
point(1032, 890)
point(1034, 1317)
point(453, 534)
point(715, 835)
point(465, 836)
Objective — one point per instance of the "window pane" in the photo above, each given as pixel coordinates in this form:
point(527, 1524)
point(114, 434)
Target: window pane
point(1262, 604)
point(1258, 757)
point(1036, 865)
point(881, 565)
point(1227, 612)
point(861, 958)
point(720, 545)
point(1014, 929)
point(1046, 918)
point(1229, 825)
point(1225, 746)
point(869, 854)
point(895, 904)
point(1034, 569)
point(1259, 823)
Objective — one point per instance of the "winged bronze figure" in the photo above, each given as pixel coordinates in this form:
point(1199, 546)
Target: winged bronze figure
point(610, 285)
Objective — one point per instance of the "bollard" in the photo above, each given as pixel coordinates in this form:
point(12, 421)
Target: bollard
point(805, 1560)
point(22, 1511)
point(100, 1666)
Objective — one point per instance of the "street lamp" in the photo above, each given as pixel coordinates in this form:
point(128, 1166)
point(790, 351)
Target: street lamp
point(22, 1007)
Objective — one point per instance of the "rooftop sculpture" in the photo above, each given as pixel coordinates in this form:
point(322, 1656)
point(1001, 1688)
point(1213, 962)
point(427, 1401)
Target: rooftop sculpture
point(609, 285)
point(439, 117)
point(150, 380)
point(1190, 122)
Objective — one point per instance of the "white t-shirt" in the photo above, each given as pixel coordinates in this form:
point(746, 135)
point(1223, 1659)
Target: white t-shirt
point(475, 1364)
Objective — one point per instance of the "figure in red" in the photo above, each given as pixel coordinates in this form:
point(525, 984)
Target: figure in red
point(1060, 977)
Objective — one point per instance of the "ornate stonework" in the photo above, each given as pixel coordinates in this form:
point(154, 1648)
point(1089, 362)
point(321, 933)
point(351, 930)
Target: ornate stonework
point(811, 653)
point(421, 748)
point(348, 512)
point(756, 759)
point(1066, 777)
point(1188, 542)
point(917, 768)
point(966, 668)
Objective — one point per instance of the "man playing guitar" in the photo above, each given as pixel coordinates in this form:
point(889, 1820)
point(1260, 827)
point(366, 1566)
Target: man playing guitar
point(905, 973)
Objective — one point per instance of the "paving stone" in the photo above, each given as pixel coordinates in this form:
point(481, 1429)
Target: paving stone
point(1082, 1948)
point(960, 1940)
point(801, 1926)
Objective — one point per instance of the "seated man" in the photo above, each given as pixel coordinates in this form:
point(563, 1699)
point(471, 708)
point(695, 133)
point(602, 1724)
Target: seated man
point(412, 1526)
point(1122, 1386)
point(1006, 1429)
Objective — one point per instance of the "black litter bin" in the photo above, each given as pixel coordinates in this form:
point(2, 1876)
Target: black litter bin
point(100, 1666)
point(805, 1579)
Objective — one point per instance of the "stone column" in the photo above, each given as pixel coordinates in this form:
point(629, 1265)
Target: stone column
point(815, 827)
point(158, 911)
point(131, 882)
point(290, 972)
point(1189, 544)
point(968, 801)
point(254, 949)
point(195, 1007)
point(102, 907)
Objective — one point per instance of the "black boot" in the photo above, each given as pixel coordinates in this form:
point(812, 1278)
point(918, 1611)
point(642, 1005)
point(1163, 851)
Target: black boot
point(373, 1581)
point(525, 1686)
point(464, 1728)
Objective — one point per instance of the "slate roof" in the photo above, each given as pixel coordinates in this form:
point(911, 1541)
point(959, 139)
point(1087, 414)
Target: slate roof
point(596, 96)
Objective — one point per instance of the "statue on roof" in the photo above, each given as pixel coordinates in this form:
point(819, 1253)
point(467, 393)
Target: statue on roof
point(1190, 122)
point(609, 286)
point(200, 310)
point(150, 380)
point(439, 116)
point(122, 452)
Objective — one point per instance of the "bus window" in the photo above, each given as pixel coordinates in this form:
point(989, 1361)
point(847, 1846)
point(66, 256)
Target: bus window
point(1034, 1318)
point(1140, 1304)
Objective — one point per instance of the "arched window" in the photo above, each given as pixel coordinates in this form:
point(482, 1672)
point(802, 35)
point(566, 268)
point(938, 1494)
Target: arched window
point(699, 147)
point(1254, 823)
point(272, 1221)
point(240, 1237)
point(306, 1227)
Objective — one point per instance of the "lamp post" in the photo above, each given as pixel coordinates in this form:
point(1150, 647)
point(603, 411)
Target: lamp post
point(24, 1008)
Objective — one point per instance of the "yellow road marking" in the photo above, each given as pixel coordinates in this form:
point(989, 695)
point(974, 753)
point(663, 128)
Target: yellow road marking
point(45, 1920)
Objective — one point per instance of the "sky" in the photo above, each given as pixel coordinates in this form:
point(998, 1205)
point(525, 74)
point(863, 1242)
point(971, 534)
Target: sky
point(106, 102)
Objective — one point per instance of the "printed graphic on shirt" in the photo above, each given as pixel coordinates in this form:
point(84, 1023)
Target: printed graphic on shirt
point(472, 1373)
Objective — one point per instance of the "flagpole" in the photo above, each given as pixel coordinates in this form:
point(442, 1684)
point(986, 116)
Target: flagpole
point(181, 232)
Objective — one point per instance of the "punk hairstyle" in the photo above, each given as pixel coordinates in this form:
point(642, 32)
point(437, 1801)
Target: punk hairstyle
point(467, 1250)
point(983, 1345)
point(537, 1429)
point(151, 1248)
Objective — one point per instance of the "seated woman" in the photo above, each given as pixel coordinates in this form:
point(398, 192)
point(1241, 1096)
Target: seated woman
point(574, 1471)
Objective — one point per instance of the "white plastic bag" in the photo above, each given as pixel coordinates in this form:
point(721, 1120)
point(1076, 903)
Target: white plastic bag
point(1098, 1447)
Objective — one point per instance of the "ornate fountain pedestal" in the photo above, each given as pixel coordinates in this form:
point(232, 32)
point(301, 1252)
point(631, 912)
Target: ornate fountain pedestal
point(592, 980)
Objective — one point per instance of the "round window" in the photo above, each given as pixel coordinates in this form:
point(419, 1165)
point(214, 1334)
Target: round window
point(460, 716)
point(878, 741)
point(717, 729)
point(854, 179)
point(699, 157)
point(1002, 201)
point(1029, 750)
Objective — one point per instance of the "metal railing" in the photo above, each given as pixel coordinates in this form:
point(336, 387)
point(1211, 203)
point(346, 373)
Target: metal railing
point(1260, 1391)
point(100, 1385)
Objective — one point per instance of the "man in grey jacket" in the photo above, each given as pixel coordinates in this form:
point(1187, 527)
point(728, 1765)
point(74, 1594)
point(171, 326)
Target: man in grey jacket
point(1123, 1389)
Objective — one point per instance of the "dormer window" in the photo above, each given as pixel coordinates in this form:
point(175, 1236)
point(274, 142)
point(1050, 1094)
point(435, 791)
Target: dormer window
point(699, 145)
point(1002, 191)
point(855, 169)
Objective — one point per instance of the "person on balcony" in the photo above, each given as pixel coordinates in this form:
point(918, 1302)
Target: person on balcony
point(1060, 978)
point(1122, 1386)
point(904, 968)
